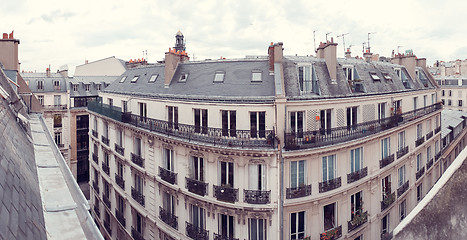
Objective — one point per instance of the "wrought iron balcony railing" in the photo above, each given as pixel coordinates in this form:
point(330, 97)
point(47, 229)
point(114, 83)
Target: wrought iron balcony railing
point(357, 221)
point(136, 235)
point(107, 227)
point(324, 137)
point(105, 140)
point(168, 218)
point(95, 185)
point(419, 141)
point(225, 193)
point(386, 161)
point(138, 160)
point(55, 107)
point(215, 136)
point(402, 189)
point(120, 181)
point(106, 201)
point(429, 164)
point(437, 156)
point(256, 196)
point(105, 168)
point(167, 175)
point(357, 175)
point(95, 158)
point(429, 135)
point(298, 192)
point(388, 199)
point(329, 185)
point(120, 150)
point(437, 129)
point(401, 152)
point(420, 173)
point(95, 134)
point(196, 233)
point(120, 217)
point(196, 186)
point(331, 234)
point(97, 211)
point(221, 237)
point(138, 196)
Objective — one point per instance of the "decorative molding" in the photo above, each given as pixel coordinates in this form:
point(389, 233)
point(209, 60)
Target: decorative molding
point(225, 158)
point(167, 146)
point(196, 154)
point(257, 161)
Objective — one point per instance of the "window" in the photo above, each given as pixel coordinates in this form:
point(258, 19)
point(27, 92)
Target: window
point(419, 192)
point(419, 131)
point(386, 186)
point(356, 159)
point(106, 130)
point(424, 101)
point(57, 120)
point(325, 121)
point(398, 73)
point(124, 106)
point(433, 98)
point(385, 224)
point(139, 183)
point(120, 169)
point(385, 147)
point(415, 99)
point(56, 85)
point(106, 158)
point(153, 78)
point(381, 111)
point(297, 225)
point(219, 77)
point(256, 76)
point(402, 210)
point(197, 168)
point(87, 87)
point(304, 78)
point(460, 103)
point(58, 138)
point(98, 87)
point(450, 93)
point(119, 136)
point(436, 147)
point(356, 204)
point(387, 76)
point(142, 111)
point(442, 93)
point(197, 216)
point(348, 71)
point(297, 173)
point(201, 120)
point(330, 216)
point(226, 226)
point(183, 77)
point(449, 102)
point(75, 87)
point(57, 100)
point(123, 79)
point(95, 124)
point(296, 123)
point(257, 124)
point(257, 229)
point(134, 79)
point(229, 122)
point(111, 102)
point(172, 113)
point(168, 162)
point(419, 162)
point(41, 99)
point(428, 153)
point(226, 174)
point(401, 140)
point(257, 177)
point(40, 85)
point(374, 76)
point(139, 223)
point(329, 167)
point(351, 118)
point(120, 204)
point(137, 146)
point(168, 203)
point(401, 173)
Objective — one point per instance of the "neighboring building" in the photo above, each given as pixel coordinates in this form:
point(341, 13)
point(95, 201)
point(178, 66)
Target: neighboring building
point(453, 92)
point(276, 147)
point(110, 66)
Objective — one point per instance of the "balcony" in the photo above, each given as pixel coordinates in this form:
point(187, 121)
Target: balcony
point(119, 150)
point(94, 133)
point(257, 196)
point(105, 140)
point(420, 173)
point(120, 217)
point(388, 199)
point(106, 201)
point(402, 189)
point(357, 221)
point(136, 235)
point(226, 193)
point(331, 234)
point(429, 164)
point(196, 186)
point(214, 136)
point(357, 175)
point(386, 161)
point(386, 236)
point(95, 185)
point(55, 107)
point(167, 175)
point(437, 156)
point(168, 218)
point(220, 237)
point(196, 233)
point(138, 160)
point(429, 135)
point(95, 158)
point(318, 138)
point(298, 192)
point(60, 145)
point(137, 196)
point(419, 141)
point(107, 227)
point(401, 152)
point(120, 181)
point(437, 129)
point(105, 168)
point(329, 185)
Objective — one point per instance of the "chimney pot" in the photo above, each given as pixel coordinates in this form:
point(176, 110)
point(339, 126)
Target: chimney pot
point(5, 35)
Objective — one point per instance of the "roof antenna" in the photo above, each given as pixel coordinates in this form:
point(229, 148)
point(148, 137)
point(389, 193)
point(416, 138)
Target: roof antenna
point(363, 51)
point(327, 36)
point(398, 49)
point(314, 40)
point(369, 40)
point(343, 39)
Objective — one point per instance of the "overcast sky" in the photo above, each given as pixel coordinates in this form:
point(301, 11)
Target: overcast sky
point(64, 32)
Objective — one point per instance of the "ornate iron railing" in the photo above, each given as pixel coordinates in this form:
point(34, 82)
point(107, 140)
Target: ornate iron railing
point(357, 221)
point(105, 140)
point(167, 175)
point(55, 107)
point(419, 141)
point(437, 156)
point(94, 133)
point(388, 199)
point(106, 201)
point(298, 192)
point(105, 168)
point(331, 234)
point(136, 235)
point(329, 185)
point(138, 196)
point(420, 173)
point(402, 189)
point(429, 135)
point(437, 129)
point(196, 186)
point(324, 137)
point(120, 181)
point(256, 196)
point(401, 152)
point(196, 233)
point(95, 158)
point(386, 161)
point(357, 175)
point(120, 150)
point(138, 160)
point(120, 217)
point(429, 164)
point(220, 237)
point(95, 185)
point(168, 218)
point(225, 193)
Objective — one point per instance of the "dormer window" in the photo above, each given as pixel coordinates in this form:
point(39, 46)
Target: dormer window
point(374, 76)
point(134, 79)
point(98, 87)
point(304, 78)
point(183, 77)
point(398, 72)
point(256, 76)
point(153, 78)
point(40, 85)
point(87, 87)
point(219, 76)
point(417, 73)
point(348, 71)
point(56, 85)
point(387, 76)
point(123, 79)
point(75, 87)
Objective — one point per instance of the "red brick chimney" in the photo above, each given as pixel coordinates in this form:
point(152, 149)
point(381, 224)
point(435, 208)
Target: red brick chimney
point(172, 58)
point(276, 54)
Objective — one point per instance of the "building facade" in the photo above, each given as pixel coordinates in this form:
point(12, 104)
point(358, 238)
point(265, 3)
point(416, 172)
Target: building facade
point(276, 147)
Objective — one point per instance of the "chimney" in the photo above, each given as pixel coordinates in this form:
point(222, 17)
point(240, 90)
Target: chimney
point(367, 55)
point(348, 54)
point(47, 71)
point(271, 57)
point(172, 58)
point(276, 53)
point(9, 52)
point(421, 62)
point(5, 35)
point(328, 51)
point(408, 60)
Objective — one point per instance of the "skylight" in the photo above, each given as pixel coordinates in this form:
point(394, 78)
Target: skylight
point(134, 79)
point(183, 77)
point(256, 76)
point(387, 76)
point(123, 79)
point(153, 78)
point(219, 77)
point(374, 76)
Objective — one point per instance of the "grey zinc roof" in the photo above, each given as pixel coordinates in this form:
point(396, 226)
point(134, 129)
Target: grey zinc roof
point(450, 118)
point(92, 81)
point(237, 81)
point(33, 78)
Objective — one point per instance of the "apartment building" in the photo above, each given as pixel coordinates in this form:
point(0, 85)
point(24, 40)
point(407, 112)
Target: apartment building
point(273, 147)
